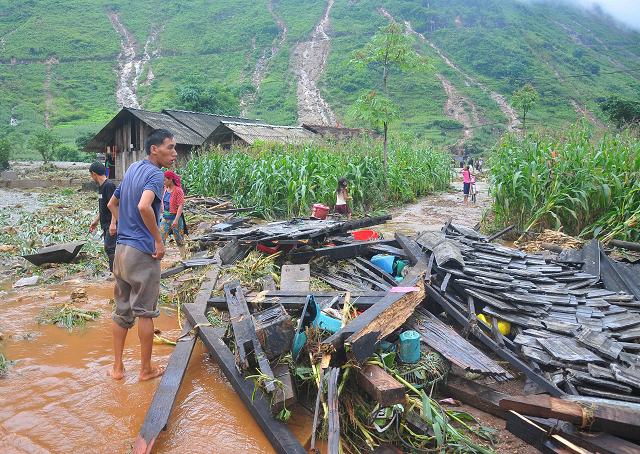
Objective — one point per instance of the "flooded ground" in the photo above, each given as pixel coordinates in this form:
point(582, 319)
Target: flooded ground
point(57, 397)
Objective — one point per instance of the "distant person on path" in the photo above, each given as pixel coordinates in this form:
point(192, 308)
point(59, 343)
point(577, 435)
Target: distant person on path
point(470, 162)
point(105, 191)
point(172, 215)
point(342, 198)
point(466, 182)
point(136, 204)
point(480, 165)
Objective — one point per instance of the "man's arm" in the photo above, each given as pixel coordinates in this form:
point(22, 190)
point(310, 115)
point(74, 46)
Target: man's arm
point(150, 221)
point(114, 207)
point(94, 224)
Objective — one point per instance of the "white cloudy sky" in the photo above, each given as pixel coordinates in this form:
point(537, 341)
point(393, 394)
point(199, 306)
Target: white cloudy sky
point(626, 11)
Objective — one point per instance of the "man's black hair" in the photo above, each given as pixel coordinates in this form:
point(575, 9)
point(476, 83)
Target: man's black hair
point(97, 168)
point(156, 137)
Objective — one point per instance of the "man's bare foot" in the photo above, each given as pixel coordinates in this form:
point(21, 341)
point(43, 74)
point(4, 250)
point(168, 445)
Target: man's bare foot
point(116, 375)
point(155, 372)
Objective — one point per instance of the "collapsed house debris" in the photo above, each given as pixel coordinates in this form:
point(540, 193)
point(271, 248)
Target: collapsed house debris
point(569, 321)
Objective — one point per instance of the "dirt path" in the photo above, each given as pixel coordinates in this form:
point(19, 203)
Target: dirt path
point(432, 212)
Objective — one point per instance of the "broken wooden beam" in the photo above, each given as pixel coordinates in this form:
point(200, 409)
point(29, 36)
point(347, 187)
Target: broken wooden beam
point(346, 251)
point(536, 436)
point(500, 233)
point(283, 397)
point(360, 338)
point(249, 352)
point(614, 420)
point(165, 396)
point(599, 442)
point(446, 341)
point(333, 440)
point(296, 300)
point(625, 245)
point(475, 394)
point(384, 389)
point(277, 432)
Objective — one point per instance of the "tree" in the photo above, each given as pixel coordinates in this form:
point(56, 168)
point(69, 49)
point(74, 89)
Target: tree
point(45, 142)
point(83, 139)
point(375, 111)
point(524, 100)
point(193, 95)
point(621, 110)
point(6, 148)
point(67, 153)
point(390, 47)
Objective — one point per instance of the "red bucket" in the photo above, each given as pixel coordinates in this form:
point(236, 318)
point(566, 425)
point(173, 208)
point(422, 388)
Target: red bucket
point(364, 235)
point(319, 211)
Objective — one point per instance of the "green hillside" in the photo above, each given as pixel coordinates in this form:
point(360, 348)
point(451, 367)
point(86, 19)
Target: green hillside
point(60, 59)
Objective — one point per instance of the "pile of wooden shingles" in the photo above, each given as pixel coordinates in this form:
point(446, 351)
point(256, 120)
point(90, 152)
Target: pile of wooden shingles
point(576, 335)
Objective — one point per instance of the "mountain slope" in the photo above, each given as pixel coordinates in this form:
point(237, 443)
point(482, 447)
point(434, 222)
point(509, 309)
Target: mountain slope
point(68, 64)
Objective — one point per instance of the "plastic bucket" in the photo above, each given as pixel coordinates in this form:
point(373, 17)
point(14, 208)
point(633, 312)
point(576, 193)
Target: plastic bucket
point(364, 235)
point(384, 261)
point(409, 346)
point(320, 211)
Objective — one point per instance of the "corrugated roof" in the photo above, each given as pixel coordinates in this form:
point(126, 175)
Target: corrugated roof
point(341, 133)
point(159, 120)
point(182, 134)
point(250, 132)
point(205, 123)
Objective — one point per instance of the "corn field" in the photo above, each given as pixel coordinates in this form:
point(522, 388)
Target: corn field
point(589, 188)
point(286, 180)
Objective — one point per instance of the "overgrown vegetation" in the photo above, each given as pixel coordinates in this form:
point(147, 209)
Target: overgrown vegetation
point(564, 53)
point(286, 180)
point(585, 185)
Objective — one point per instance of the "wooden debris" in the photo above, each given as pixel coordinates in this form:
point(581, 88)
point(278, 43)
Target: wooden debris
point(539, 438)
point(384, 389)
point(164, 398)
point(614, 420)
point(362, 336)
point(446, 341)
point(249, 352)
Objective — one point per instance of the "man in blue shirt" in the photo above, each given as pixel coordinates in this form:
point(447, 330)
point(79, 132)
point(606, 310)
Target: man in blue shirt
point(135, 205)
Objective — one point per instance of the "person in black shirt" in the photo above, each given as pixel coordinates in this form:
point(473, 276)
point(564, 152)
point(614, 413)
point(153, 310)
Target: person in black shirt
point(107, 187)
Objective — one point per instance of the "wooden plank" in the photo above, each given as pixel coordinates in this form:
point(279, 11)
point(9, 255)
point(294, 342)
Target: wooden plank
point(623, 320)
point(286, 397)
point(384, 389)
point(500, 233)
point(602, 443)
point(165, 396)
point(295, 277)
point(603, 383)
point(539, 438)
point(362, 336)
point(277, 432)
point(599, 343)
point(340, 252)
point(565, 349)
point(607, 418)
point(333, 440)
point(248, 348)
point(446, 341)
point(475, 394)
point(171, 271)
point(377, 270)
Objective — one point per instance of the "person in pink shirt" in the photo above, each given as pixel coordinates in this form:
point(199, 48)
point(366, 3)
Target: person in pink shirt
point(466, 181)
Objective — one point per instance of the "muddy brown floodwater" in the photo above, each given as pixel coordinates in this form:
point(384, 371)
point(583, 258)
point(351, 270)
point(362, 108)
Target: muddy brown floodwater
point(57, 397)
